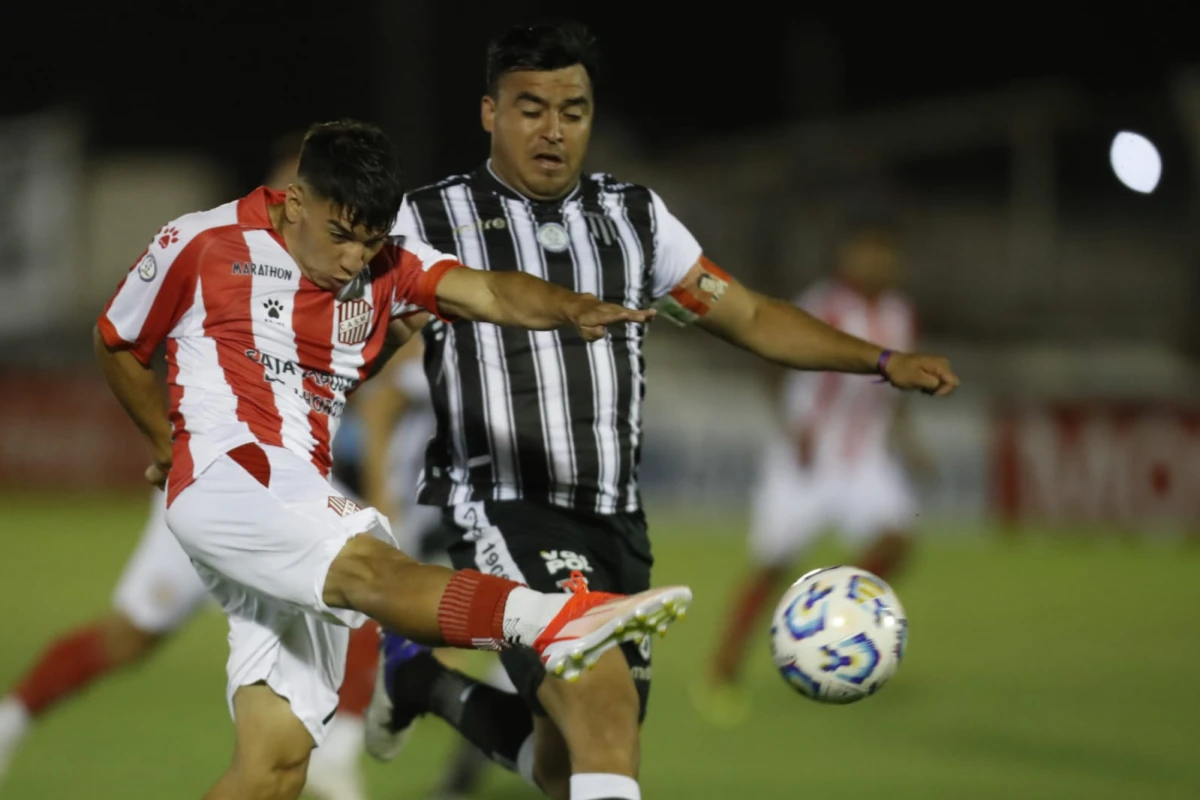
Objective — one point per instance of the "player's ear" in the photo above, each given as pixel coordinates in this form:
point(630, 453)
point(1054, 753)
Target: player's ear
point(487, 113)
point(293, 204)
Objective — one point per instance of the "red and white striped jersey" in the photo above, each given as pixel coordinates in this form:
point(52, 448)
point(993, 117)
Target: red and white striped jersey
point(255, 351)
point(848, 415)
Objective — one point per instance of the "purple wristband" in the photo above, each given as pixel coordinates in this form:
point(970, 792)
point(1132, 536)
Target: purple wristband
point(881, 366)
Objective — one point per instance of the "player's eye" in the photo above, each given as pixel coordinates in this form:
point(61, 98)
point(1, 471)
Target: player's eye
point(576, 117)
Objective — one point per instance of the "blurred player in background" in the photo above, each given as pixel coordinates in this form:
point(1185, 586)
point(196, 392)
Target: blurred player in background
point(157, 593)
point(397, 419)
point(833, 466)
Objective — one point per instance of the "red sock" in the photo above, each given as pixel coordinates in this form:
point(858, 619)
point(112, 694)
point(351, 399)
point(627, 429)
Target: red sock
point(752, 598)
point(68, 665)
point(471, 612)
point(361, 660)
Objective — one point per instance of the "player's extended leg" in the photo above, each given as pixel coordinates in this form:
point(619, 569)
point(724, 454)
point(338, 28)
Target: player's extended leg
point(437, 606)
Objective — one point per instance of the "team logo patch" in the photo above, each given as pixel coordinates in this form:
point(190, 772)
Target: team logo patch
point(353, 321)
point(147, 268)
point(553, 237)
point(342, 506)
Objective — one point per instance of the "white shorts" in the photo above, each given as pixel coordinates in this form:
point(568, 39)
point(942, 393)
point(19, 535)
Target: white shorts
point(159, 588)
point(794, 506)
point(263, 551)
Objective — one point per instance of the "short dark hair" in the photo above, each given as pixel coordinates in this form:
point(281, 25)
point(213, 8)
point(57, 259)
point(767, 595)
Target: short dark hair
point(353, 165)
point(542, 46)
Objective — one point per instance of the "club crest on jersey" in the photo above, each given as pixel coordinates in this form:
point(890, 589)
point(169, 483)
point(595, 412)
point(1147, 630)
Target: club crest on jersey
point(353, 321)
point(553, 237)
point(342, 506)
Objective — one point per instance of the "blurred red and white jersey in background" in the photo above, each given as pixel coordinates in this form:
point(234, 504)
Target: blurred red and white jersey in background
point(848, 416)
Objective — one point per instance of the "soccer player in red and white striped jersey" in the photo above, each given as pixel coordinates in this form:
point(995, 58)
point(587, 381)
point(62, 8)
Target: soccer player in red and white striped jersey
point(273, 309)
point(157, 593)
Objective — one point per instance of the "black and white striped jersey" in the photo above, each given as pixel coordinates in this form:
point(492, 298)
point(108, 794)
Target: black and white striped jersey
point(544, 415)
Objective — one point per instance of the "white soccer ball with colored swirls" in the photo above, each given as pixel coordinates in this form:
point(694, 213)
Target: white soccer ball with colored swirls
point(838, 634)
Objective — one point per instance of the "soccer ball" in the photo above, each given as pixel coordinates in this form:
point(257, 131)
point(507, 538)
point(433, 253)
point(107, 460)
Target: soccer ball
point(838, 634)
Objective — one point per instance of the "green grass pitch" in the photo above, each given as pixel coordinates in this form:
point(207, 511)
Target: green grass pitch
point(1037, 668)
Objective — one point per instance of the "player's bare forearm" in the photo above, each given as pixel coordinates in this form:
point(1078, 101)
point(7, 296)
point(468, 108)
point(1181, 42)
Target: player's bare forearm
point(786, 335)
point(518, 299)
point(507, 298)
point(137, 389)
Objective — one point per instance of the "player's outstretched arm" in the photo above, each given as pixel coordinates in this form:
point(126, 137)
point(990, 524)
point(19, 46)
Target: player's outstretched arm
point(515, 298)
point(786, 335)
point(137, 388)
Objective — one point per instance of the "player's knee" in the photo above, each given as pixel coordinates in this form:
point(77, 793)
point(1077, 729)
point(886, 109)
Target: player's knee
point(266, 781)
point(598, 715)
point(361, 572)
point(124, 642)
point(272, 767)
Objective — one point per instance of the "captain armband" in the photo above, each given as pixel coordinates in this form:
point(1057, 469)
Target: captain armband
point(695, 295)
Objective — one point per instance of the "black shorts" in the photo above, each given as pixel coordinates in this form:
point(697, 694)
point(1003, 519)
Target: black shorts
point(540, 545)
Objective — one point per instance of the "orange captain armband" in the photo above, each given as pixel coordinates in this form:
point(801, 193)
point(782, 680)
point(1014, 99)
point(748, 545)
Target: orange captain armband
point(695, 295)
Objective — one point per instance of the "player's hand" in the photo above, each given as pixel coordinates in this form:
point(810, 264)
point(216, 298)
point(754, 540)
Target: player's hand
point(930, 374)
point(592, 316)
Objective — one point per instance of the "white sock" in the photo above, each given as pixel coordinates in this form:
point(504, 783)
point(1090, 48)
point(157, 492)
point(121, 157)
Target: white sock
point(604, 786)
point(527, 613)
point(14, 724)
point(14, 720)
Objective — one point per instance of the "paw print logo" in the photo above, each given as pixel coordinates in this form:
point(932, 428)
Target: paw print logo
point(167, 237)
point(273, 307)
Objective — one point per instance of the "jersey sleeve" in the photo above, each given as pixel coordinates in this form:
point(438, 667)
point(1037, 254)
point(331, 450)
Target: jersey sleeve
point(675, 249)
point(154, 295)
point(421, 269)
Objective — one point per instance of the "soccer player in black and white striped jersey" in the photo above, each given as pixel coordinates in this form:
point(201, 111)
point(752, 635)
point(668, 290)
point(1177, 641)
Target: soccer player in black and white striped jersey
point(539, 433)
